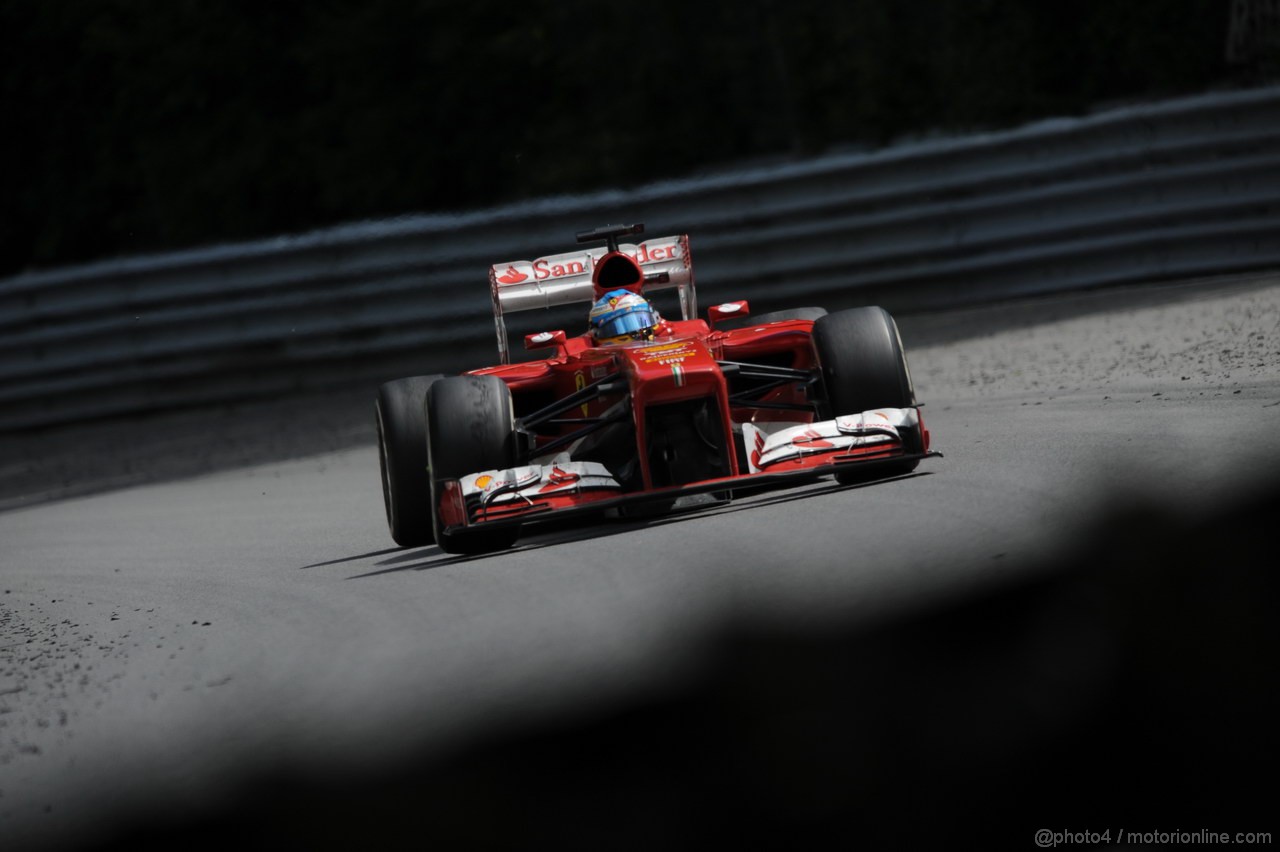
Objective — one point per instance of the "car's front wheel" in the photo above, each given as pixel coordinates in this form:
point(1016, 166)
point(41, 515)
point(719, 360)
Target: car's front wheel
point(402, 455)
point(470, 428)
point(864, 367)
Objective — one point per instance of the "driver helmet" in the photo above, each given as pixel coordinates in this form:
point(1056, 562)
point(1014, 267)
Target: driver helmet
point(621, 316)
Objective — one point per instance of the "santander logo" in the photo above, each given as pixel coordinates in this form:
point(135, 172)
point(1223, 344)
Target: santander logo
point(512, 276)
point(563, 266)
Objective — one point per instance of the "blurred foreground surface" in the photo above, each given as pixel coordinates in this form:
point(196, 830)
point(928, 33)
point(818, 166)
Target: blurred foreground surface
point(1130, 685)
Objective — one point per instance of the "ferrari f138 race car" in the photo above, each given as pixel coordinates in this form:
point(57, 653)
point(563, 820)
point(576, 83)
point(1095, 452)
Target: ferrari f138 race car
point(638, 414)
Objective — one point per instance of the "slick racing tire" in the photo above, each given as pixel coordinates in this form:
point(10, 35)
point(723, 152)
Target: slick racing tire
point(470, 428)
point(864, 367)
point(399, 413)
point(772, 316)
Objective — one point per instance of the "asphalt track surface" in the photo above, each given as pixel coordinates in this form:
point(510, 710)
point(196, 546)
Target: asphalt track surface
point(191, 601)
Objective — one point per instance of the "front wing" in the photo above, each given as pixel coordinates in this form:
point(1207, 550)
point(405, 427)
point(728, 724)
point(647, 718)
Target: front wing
point(561, 488)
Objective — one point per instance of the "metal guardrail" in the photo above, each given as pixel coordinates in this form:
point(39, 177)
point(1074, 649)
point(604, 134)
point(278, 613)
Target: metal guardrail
point(1180, 188)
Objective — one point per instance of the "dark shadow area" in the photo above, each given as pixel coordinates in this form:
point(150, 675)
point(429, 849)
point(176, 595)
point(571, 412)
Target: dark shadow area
point(96, 456)
point(442, 559)
point(369, 555)
point(406, 555)
point(1128, 685)
point(548, 534)
point(172, 116)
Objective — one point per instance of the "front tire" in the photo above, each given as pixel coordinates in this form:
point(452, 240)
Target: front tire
point(864, 367)
point(470, 428)
point(402, 456)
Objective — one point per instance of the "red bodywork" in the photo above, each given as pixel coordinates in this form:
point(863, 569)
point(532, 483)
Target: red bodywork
point(683, 365)
point(692, 346)
point(683, 403)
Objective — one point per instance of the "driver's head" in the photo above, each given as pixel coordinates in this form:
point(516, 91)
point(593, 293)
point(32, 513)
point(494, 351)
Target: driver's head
point(621, 316)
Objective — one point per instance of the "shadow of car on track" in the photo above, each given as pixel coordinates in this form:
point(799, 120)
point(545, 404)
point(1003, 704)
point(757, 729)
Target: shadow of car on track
point(555, 533)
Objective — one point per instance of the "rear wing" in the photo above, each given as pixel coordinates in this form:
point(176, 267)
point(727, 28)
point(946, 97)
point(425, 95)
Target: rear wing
point(562, 279)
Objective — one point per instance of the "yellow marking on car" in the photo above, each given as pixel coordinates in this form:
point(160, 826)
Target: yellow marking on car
point(580, 382)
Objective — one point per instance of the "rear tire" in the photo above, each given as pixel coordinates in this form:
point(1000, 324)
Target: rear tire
point(402, 456)
point(772, 316)
point(470, 428)
point(864, 367)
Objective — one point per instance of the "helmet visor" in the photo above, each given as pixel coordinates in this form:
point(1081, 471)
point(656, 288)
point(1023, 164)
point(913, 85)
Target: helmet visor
point(628, 323)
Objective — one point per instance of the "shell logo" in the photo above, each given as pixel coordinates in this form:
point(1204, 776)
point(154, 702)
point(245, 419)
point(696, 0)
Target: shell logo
point(484, 481)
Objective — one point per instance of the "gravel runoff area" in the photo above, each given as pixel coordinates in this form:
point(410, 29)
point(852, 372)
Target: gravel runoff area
point(1215, 334)
point(998, 349)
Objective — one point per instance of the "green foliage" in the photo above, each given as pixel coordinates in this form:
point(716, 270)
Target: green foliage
point(136, 126)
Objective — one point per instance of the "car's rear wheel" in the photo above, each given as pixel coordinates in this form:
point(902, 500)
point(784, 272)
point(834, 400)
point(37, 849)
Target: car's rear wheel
point(864, 367)
point(772, 316)
point(470, 428)
point(399, 414)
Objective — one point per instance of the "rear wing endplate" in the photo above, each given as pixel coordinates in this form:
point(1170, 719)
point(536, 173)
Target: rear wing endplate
point(562, 279)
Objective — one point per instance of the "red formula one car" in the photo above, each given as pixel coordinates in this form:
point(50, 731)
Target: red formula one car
point(639, 413)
